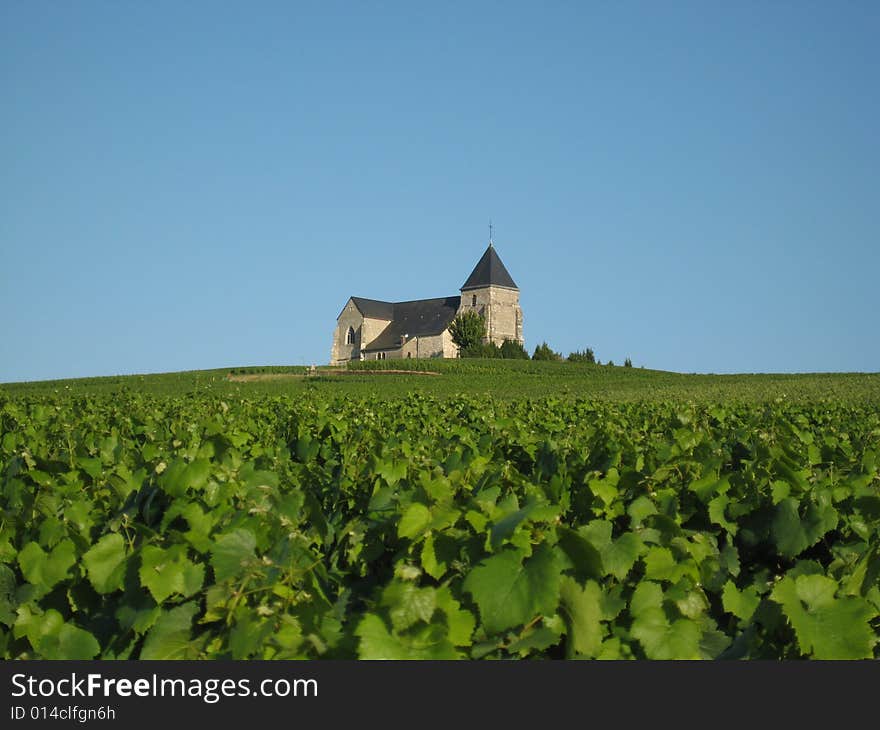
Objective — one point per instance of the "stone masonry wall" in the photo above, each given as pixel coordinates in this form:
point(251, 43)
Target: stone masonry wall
point(366, 330)
point(500, 307)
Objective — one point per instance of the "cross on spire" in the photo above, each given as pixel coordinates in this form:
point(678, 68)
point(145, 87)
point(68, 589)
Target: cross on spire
point(491, 242)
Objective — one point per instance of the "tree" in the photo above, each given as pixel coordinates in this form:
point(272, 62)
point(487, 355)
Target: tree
point(512, 350)
point(585, 356)
point(543, 352)
point(468, 329)
point(482, 350)
point(627, 363)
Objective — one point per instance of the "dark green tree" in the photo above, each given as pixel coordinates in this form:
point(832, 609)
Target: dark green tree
point(627, 363)
point(512, 350)
point(483, 350)
point(543, 352)
point(585, 356)
point(468, 329)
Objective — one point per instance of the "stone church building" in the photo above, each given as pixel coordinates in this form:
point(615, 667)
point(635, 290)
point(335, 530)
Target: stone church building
point(370, 329)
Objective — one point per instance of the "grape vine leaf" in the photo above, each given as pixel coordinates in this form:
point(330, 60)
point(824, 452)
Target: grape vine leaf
point(46, 569)
point(414, 521)
point(741, 604)
point(232, 552)
point(69, 642)
point(510, 592)
point(168, 572)
point(582, 609)
point(826, 627)
point(428, 642)
point(105, 563)
point(170, 636)
point(408, 604)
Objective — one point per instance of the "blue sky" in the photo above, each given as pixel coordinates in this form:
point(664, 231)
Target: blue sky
point(193, 185)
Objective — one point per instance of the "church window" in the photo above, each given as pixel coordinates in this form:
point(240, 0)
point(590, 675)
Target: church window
point(350, 337)
point(474, 300)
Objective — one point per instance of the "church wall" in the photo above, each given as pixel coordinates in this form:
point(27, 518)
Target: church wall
point(429, 346)
point(449, 348)
point(500, 307)
point(366, 329)
point(421, 347)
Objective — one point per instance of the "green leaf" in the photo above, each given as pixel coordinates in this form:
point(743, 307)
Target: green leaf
point(510, 592)
point(709, 486)
point(647, 595)
point(105, 563)
point(585, 559)
point(391, 471)
point(180, 476)
point(640, 509)
point(70, 642)
point(248, 635)
point(659, 564)
point(232, 553)
point(407, 604)
point(138, 613)
point(168, 572)
point(606, 487)
point(535, 639)
point(787, 530)
point(415, 520)
point(506, 526)
point(460, 623)
point(8, 603)
point(582, 609)
point(826, 627)
point(45, 570)
point(437, 552)
point(717, 513)
point(170, 636)
point(376, 642)
point(620, 555)
point(35, 625)
point(741, 604)
point(662, 640)
point(598, 533)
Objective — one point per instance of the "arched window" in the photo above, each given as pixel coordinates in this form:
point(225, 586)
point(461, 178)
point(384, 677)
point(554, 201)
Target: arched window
point(474, 300)
point(351, 336)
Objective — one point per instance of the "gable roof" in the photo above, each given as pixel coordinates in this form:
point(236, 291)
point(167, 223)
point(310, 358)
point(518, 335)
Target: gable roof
point(489, 271)
point(374, 308)
point(416, 318)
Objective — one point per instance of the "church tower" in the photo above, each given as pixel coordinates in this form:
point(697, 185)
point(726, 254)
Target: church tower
point(491, 292)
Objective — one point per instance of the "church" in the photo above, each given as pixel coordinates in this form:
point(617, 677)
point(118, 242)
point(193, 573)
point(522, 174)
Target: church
point(372, 329)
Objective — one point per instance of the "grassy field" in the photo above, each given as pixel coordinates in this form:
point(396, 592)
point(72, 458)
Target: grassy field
point(506, 379)
point(499, 509)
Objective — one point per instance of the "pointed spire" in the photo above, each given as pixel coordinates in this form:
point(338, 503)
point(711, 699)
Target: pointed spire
point(489, 271)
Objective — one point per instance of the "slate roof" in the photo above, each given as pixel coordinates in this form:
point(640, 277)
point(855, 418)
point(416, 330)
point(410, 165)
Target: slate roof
point(489, 271)
point(417, 318)
point(374, 308)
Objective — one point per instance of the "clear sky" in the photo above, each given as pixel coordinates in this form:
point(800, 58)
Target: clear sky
point(190, 185)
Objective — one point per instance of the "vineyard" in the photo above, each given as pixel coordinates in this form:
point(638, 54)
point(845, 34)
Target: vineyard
point(674, 519)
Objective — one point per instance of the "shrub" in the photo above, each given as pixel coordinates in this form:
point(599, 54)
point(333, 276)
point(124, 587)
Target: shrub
point(585, 356)
point(482, 350)
point(511, 350)
point(543, 352)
